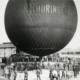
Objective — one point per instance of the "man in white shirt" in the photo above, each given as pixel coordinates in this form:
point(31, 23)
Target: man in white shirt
point(55, 74)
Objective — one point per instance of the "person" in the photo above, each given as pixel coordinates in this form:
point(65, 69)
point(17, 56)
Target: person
point(40, 67)
point(74, 71)
point(12, 75)
point(26, 74)
point(64, 65)
point(50, 74)
point(60, 74)
point(77, 69)
point(6, 71)
point(54, 74)
point(38, 74)
point(9, 68)
point(63, 73)
point(15, 73)
point(22, 67)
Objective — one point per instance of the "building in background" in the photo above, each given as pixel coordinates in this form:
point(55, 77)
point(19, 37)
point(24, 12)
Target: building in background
point(6, 50)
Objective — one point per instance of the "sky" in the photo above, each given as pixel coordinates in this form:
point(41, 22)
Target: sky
point(73, 44)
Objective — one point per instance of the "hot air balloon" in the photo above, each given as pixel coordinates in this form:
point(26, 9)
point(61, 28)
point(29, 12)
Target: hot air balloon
point(40, 27)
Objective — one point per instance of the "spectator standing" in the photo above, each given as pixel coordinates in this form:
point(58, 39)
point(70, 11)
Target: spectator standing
point(50, 74)
point(12, 75)
point(15, 73)
point(74, 70)
point(54, 74)
point(6, 71)
point(26, 74)
point(38, 74)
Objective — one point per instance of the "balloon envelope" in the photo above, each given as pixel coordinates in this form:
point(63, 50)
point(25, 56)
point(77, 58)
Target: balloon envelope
point(40, 27)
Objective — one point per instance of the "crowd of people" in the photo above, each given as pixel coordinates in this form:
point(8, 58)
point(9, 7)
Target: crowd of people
point(11, 71)
point(17, 71)
point(64, 74)
point(59, 70)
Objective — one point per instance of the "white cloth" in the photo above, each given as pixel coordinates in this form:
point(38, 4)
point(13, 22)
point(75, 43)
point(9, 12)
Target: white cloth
point(6, 70)
point(54, 72)
point(20, 76)
point(60, 74)
point(12, 76)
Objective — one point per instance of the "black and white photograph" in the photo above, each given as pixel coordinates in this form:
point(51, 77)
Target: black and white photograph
point(39, 39)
